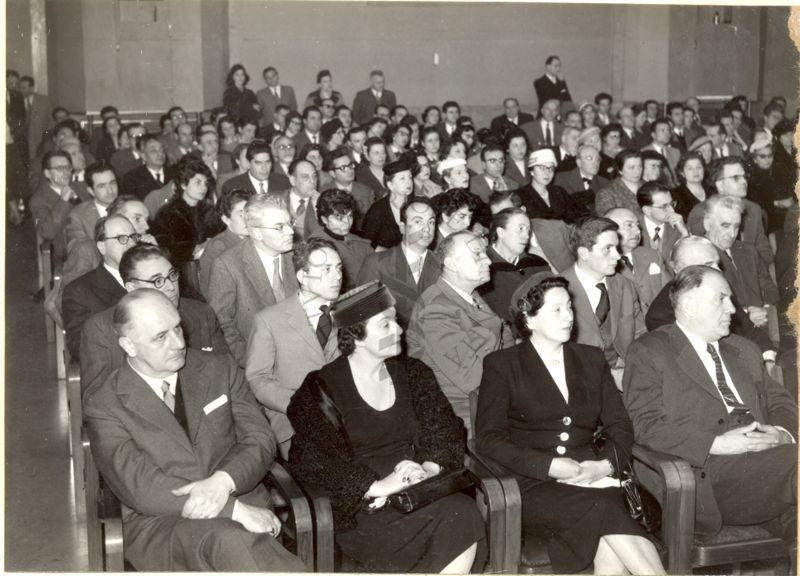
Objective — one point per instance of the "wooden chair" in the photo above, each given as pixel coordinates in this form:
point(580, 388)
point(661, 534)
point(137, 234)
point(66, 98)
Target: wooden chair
point(672, 482)
point(104, 517)
point(773, 325)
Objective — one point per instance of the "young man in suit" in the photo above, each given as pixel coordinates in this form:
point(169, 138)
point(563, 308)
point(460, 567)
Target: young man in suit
point(275, 93)
point(452, 328)
point(448, 126)
point(544, 132)
point(101, 184)
point(102, 287)
point(259, 178)
point(719, 140)
point(661, 134)
point(145, 266)
point(661, 226)
point(294, 337)
point(367, 100)
point(312, 125)
point(696, 392)
point(151, 175)
point(254, 274)
point(511, 117)
point(606, 306)
point(179, 439)
point(493, 161)
point(37, 111)
point(551, 85)
point(411, 268)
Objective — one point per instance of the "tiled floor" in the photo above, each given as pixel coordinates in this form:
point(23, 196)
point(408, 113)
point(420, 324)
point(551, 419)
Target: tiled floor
point(41, 529)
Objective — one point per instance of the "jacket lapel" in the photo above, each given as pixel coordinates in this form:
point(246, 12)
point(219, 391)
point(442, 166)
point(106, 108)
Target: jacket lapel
point(546, 387)
point(690, 363)
point(615, 290)
point(298, 321)
point(194, 389)
point(254, 270)
point(108, 290)
point(741, 376)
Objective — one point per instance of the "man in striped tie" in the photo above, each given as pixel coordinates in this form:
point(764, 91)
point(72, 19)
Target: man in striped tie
point(695, 391)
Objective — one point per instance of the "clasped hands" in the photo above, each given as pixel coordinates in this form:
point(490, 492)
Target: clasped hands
point(569, 471)
point(405, 474)
point(754, 437)
point(207, 498)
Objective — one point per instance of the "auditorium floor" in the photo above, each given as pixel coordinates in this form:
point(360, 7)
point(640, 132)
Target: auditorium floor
point(41, 530)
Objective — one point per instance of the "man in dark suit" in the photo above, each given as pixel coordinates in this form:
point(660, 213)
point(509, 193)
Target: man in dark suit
point(367, 100)
point(661, 225)
point(719, 140)
point(411, 268)
point(15, 108)
point(101, 183)
point(696, 392)
point(145, 266)
point(312, 126)
point(452, 328)
point(583, 181)
point(208, 151)
point(511, 117)
point(102, 287)
point(301, 199)
point(451, 111)
point(493, 161)
point(551, 85)
point(661, 135)
point(179, 439)
point(37, 114)
point(259, 178)
point(254, 274)
point(143, 179)
point(545, 131)
point(275, 93)
point(295, 336)
point(343, 170)
point(606, 306)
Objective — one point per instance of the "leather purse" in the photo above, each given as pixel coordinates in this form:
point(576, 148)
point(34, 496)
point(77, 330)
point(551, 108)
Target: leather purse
point(430, 490)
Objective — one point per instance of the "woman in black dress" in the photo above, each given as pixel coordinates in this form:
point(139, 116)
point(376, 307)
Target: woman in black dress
point(240, 102)
point(542, 198)
point(691, 172)
point(109, 143)
point(372, 423)
point(540, 403)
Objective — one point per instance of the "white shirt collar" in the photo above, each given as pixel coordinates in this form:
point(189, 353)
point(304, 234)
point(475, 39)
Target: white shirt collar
point(155, 383)
point(115, 273)
point(312, 308)
point(257, 183)
point(552, 78)
point(267, 260)
point(157, 174)
point(589, 285)
point(102, 210)
point(651, 227)
point(469, 298)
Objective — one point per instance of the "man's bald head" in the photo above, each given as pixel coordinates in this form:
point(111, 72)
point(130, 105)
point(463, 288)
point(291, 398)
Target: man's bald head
point(693, 251)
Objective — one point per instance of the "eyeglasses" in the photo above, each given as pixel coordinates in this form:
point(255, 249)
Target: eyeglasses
point(159, 282)
point(278, 227)
point(670, 206)
point(735, 178)
point(123, 238)
point(345, 167)
point(286, 147)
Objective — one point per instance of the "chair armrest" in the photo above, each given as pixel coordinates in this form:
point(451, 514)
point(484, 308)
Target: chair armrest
point(300, 527)
point(671, 481)
point(773, 325)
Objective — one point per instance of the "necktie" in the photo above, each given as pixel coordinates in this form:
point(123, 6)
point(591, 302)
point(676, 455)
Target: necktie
point(167, 396)
point(548, 137)
point(721, 152)
point(587, 183)
point(301, 207)
point(722, 384)
point(314, 139)
point(730, 257)
point(499, 185)
point(158, 177)
point(324, 326)
point(261, 187)
point(657, 237)
point(274, 92)
point(603, 306)
point(277, 282)
point(626, 261)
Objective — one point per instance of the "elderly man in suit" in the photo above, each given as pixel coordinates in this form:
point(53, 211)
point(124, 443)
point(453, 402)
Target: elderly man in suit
point(661, 134)
point(641, 265)
point(551, 85)
point(730, 178)
point(179, 439)
point(367, 100)
point(301, 198)
point(259, 178)
point(101, 183)
point(294, 337)
point(696, 392)
point(583, 181)
point(511, 116)
point(254, 274)
point(661, 225)
point(273, 94)
point(411, 268)
point(151, 175)
point(145, 266)
point(452, 328)
point(102, 287)
point(493, 161)
point(606, 305)
point(37, 114)
point(545, 131)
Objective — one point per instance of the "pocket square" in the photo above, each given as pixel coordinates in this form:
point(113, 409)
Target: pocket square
point(654, 269)
point(214, 404)
point(208, 349)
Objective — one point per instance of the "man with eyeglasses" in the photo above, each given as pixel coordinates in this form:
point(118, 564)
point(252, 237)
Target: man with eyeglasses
point(493, 161)
point(145, 266)
point(259, 178)
point(661, 225)
point(283, 150)
point(254, 274)
point(102, 287)
point(343, 169)
point(583, 181)
point(328, 108)
point(730, 178)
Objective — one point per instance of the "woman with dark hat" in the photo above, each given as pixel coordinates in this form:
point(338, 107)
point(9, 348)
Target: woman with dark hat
point(372, 423)
point(539, 406)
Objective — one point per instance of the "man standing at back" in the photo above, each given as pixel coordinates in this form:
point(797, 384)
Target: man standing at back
point(275, 93)
point(551, 85)
point(367, 100)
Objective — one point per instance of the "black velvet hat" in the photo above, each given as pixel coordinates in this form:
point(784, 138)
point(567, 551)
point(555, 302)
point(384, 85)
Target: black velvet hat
point(360, 304)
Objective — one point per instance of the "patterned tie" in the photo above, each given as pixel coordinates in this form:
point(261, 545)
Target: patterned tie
point(603, 306)
point(261, 187)
point(626, 261)
point(324, 326)
point(167, 396)
point(277, 282)
point(657, 238)
point(722, 384)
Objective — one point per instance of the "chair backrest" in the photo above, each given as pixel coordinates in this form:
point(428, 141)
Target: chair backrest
point(473, 410)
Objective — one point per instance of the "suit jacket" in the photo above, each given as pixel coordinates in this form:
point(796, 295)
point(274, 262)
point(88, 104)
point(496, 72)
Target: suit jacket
point(572, 182)
point(81, 221)
point(239, 287)
point(615, 195)
point(365, 176)
point(159, 198)
point(301, 140)
point(673, 156)
point(310, 224)
point(268, 102)
point(522, 413)
point(391, 268)
point(143, 452)
point(49, 213)
point(547, 90)
point(282, 349)
point(453, 337)
point(275, 183)
point(313, 98)
point(103, 355)
point(123, 161)
point(649, 274)
point(480, 187)
point(380, 227)
point(365, 102)
point(501, 123)
point(512, 171)
point(639, 140)
point(84, 297)
point(37, 119)
point(552, 236)
point(627, 320)
point(15, 112)
point(139, 182)
point(506, 278)
point(748, 276)
point(751, 230)
point(733, 150)
point(676, 407)
point(215, 247)
point(669, 237)
point(536, 137)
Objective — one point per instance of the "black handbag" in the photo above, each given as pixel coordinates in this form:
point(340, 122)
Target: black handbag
point(642, 506)
point(430, 490)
